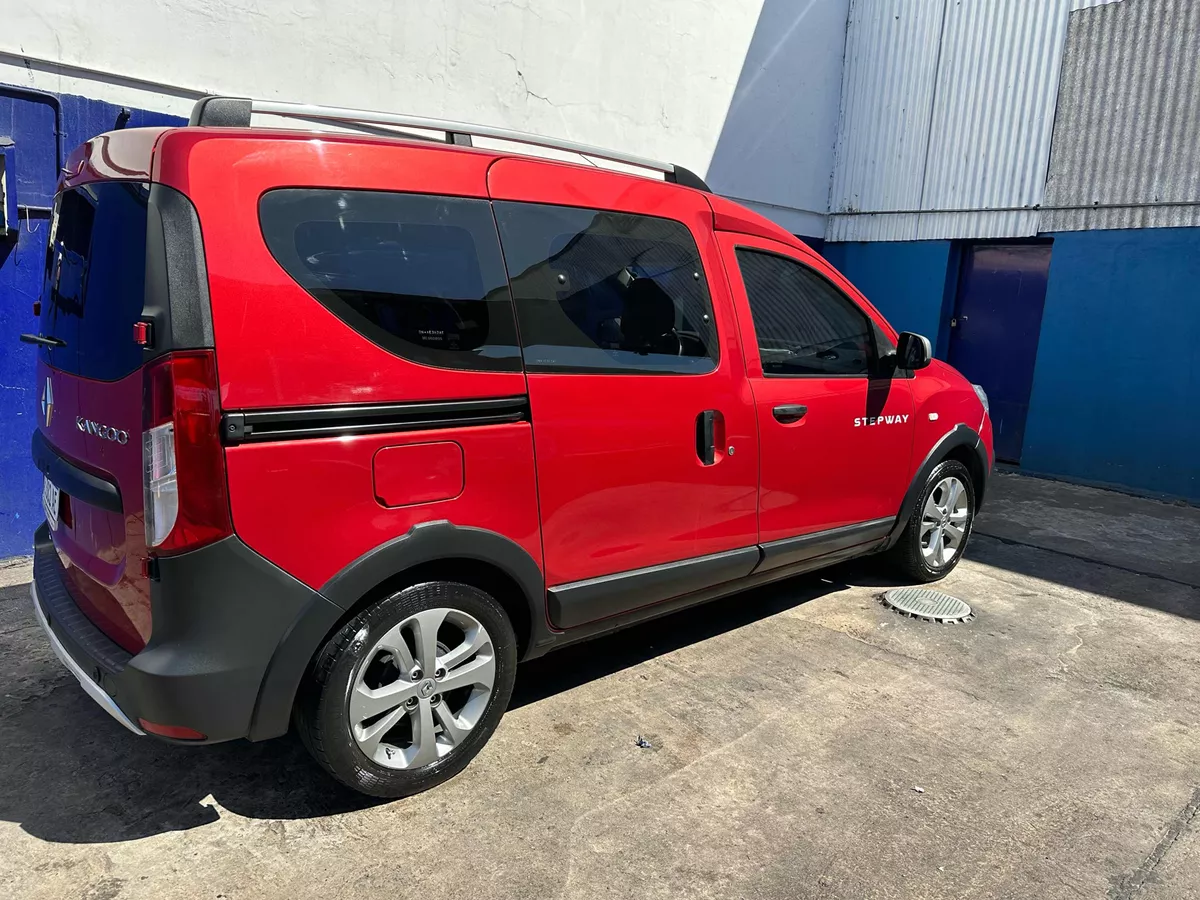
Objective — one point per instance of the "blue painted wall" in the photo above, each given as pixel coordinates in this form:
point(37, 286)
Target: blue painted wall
point(906, 280)
point(1116, 389)
point(30, 123)
point(1116, 385)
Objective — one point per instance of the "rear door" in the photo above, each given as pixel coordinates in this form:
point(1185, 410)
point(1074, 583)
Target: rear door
point(643, 424)
point(90, 391)
point(835, 427)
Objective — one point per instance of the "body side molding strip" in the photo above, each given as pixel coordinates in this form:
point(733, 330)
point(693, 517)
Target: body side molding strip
point(810, 546)
point(255, 425)
point(595, 599)
point(586, 601)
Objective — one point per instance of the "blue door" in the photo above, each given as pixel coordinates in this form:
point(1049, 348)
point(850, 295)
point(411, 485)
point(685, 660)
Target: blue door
point(994, 332)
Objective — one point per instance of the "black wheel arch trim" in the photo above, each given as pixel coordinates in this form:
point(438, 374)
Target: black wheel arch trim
point(433, 541)
point(425, 542)
point(428, 542)
point(961, 435)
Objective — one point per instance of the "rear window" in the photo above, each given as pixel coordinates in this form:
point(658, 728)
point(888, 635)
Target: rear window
point(95, 280)
point(421, 276)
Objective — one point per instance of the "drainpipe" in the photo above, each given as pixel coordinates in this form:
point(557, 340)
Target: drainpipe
point(56, 104)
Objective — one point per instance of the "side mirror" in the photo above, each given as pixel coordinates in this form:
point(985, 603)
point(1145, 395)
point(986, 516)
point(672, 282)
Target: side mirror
point(913, 351)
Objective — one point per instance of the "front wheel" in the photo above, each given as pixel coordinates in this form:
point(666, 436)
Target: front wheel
point(409, 691)
point(937, 531)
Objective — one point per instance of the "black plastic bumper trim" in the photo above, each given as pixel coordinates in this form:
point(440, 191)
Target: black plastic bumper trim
point(69, 624)
point(221, 616)
point(89, 681)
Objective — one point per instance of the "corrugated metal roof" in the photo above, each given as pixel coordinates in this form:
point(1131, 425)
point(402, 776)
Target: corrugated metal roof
point(948, 110)
point(1127, 137)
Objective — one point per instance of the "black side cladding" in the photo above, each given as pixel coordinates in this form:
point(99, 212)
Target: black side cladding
point(232, 636)
point(177, 303)
point(220, 614)
point(581, 602)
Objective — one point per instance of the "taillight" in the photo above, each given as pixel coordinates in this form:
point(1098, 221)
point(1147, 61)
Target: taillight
point(183, 465)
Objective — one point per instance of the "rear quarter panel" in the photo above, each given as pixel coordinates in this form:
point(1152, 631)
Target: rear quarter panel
point(310, 506)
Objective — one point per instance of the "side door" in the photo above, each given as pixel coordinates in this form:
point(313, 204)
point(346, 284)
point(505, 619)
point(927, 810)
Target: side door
point(835, 422)
point(643, 423)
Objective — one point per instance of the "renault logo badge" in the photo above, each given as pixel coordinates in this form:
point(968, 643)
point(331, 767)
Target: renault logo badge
point(48, 401)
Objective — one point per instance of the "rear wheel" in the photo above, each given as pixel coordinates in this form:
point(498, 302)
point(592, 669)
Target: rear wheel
point(937, 531)
point(409, 691)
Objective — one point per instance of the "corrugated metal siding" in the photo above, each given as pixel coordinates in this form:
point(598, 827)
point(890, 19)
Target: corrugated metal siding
point(993, 116)
point(1127, 136)
point(887, 100)
point(947, 105)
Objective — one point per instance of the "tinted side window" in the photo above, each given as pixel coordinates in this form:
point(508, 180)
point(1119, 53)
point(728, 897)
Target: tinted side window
point(606, 292)
point(421, 276)
point(805, 325)
point(95, 279)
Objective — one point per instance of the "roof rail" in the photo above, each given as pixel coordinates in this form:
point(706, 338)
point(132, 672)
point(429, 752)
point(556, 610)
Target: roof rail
point(236, 112)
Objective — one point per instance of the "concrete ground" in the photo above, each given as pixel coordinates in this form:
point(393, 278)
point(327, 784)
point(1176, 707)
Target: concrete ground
point(805, 742)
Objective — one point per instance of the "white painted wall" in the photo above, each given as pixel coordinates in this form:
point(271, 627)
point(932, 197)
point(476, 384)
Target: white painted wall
point(778, 139)
point(652, 77)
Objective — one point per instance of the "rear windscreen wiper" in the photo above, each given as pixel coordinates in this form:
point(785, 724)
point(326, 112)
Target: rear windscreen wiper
point(45, 341)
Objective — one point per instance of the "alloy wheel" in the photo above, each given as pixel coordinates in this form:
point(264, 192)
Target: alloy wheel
point(422, 688)
point(944, 522)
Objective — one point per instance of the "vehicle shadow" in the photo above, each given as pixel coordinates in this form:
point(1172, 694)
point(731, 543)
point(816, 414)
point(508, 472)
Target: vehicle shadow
point(68, 773)
point(602, 656)
point(71, 774)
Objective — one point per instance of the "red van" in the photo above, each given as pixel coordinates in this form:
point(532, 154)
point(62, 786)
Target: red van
point(338, 427)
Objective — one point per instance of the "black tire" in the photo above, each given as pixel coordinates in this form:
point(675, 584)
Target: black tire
point(322, 713)
point(906, 556)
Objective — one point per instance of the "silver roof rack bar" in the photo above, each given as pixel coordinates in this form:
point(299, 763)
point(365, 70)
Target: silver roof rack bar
point(236, 111)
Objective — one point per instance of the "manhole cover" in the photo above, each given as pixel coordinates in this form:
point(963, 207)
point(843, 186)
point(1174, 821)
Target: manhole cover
point(933, 606)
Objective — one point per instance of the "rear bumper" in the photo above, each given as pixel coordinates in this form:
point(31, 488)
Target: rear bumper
point(232, 635)
point(92, 688)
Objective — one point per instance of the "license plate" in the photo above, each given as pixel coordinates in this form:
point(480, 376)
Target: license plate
point(50, 502)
